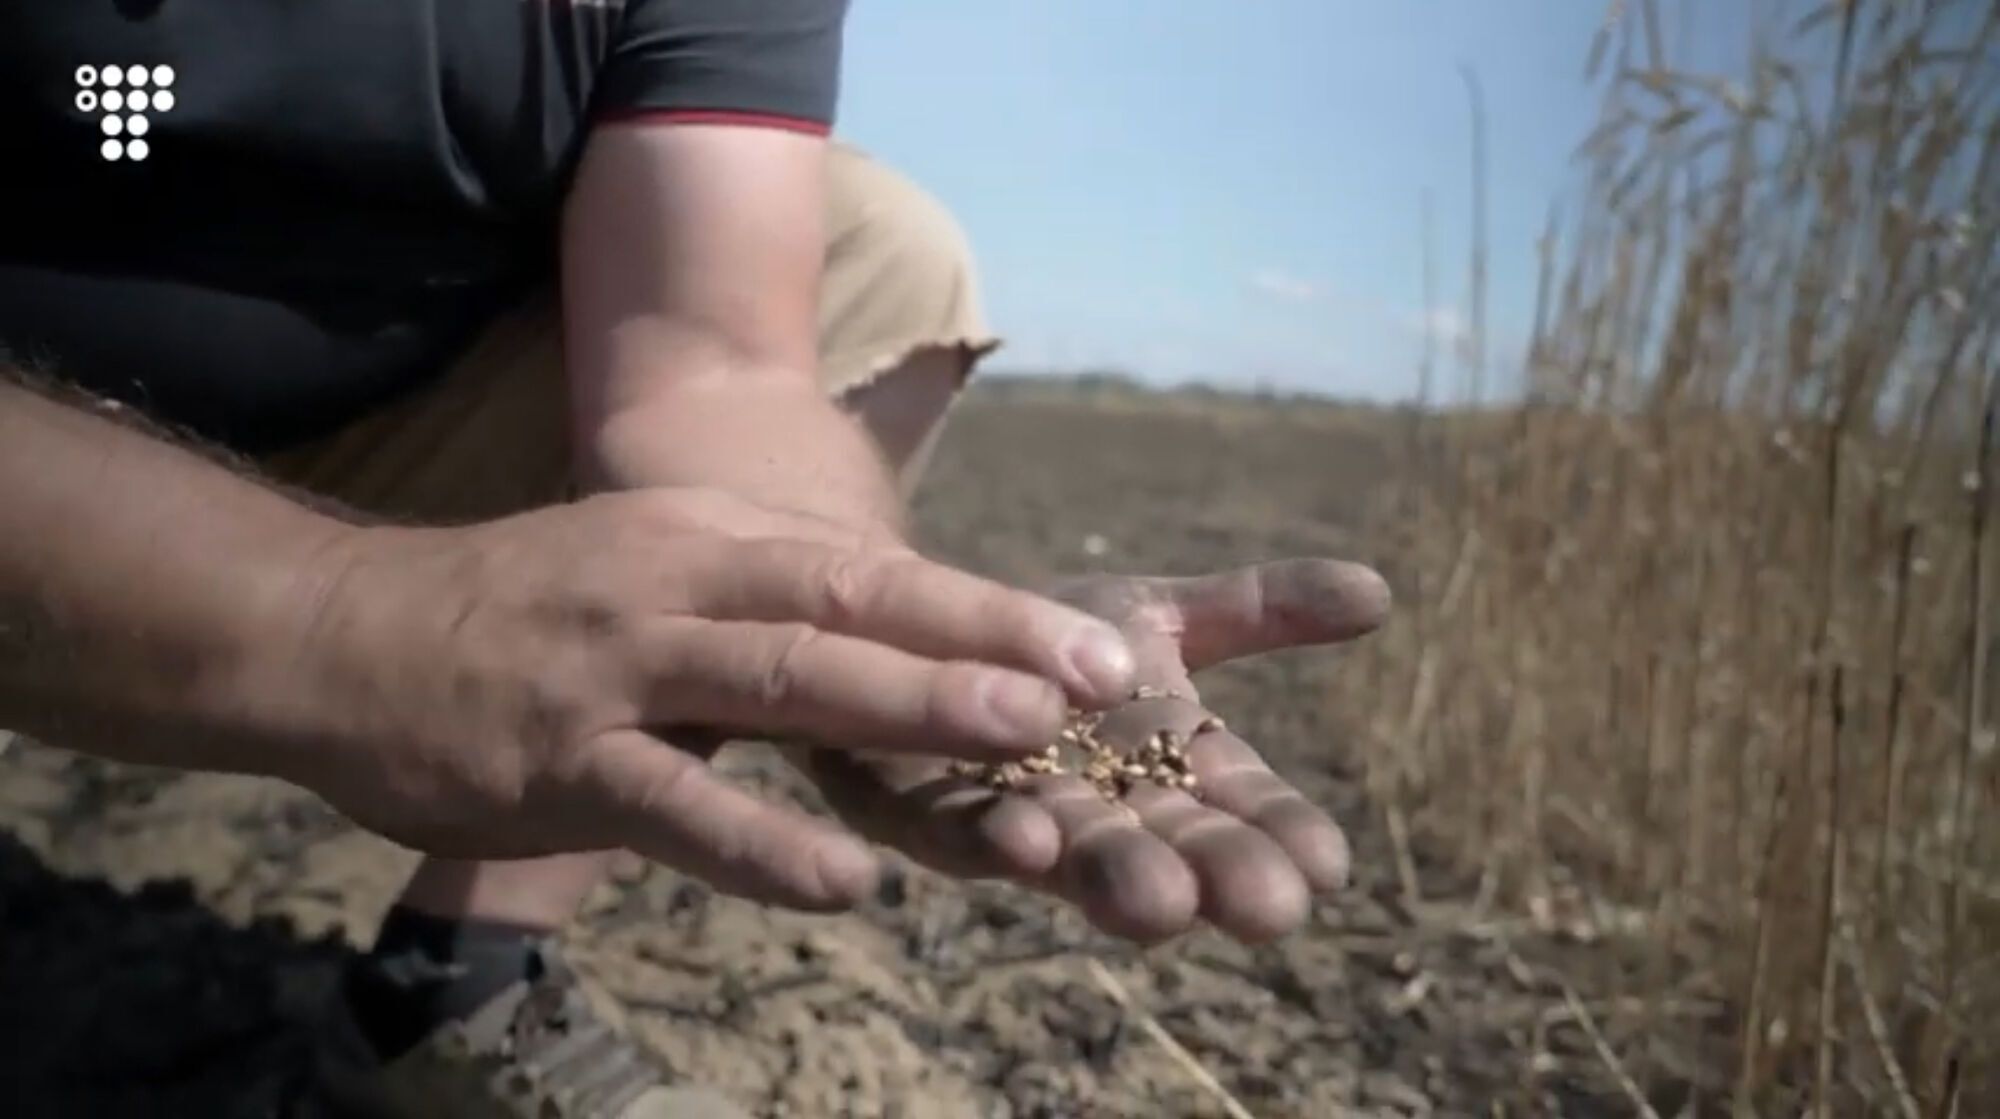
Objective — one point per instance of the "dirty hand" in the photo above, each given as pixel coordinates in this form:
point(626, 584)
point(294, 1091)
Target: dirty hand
point(1246, 855)
point(521, 687)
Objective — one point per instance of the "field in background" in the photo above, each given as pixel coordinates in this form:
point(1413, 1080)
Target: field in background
point(1699, 642)
point(1673, 782)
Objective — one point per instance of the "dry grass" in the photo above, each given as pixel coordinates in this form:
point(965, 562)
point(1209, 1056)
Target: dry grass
point(1700, 651)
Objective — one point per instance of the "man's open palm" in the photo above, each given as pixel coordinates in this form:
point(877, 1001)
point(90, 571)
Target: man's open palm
point(1246, 853)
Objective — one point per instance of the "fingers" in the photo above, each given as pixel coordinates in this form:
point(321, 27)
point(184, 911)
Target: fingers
point(1246, 855)
point(950, 824)
point(1249, 886)
point(1058, 833)
point(1144, 869)
point(902, 600)
point(1143, 875)
point(795, 681)
point(1147, 867)
point(1249, 881)
point(1127, 880)
point(1280, 605)
point(1256, 847)
point(666, 806)
point(1235, 780)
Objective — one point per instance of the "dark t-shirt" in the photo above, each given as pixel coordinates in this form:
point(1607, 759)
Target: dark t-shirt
point(284, 212)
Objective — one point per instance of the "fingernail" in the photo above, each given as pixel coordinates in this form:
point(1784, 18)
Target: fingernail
point(1022, 709)
point(1101, 657)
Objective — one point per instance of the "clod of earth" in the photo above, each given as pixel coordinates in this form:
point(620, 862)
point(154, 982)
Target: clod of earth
point(1161, 759)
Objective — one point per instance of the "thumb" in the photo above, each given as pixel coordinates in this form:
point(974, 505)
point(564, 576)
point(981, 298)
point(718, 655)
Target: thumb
point(1285, 604)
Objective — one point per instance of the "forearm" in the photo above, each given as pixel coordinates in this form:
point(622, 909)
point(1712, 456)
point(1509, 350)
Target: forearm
point(768, 436)
point(691, 261)
point(146, 595)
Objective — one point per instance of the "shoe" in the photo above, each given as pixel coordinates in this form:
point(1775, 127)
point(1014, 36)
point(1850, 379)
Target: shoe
point(541, 1049)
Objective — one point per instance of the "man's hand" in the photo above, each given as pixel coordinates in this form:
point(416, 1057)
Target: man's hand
point(509, 688)
point(1246, 856)
point(524, 687)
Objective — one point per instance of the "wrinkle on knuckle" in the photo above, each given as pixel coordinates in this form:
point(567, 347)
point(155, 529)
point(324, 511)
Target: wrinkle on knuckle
point(846, 586)
point(738, 855)
point(805, 873)
point(735, 853)
point(668, 791)
point(778, 678)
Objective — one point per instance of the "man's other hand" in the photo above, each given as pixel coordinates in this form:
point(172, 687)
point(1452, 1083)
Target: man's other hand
point(1246, 854)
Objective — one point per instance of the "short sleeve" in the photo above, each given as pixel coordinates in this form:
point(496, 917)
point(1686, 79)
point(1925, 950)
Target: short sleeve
point(767, 62)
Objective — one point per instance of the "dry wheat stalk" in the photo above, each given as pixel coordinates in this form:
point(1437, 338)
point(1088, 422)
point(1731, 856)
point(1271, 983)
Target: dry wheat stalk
point(1192, 1065)
point(1675, 564)
point(1878, 1031)
point(1588, 1023)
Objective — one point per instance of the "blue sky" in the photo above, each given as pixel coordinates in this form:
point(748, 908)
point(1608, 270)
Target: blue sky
point(1231, 190)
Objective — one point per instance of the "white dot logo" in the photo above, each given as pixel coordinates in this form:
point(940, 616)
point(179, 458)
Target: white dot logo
point(123, 121)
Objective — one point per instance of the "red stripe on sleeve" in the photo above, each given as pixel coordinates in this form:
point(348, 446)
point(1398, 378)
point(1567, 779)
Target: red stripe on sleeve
point(717, 116)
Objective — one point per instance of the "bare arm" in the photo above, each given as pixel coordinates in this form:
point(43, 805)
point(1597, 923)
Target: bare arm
point(147, 594)
point(691, 263)
point(493, 690)
point(144, 590)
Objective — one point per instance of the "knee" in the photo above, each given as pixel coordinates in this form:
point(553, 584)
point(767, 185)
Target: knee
point(896, 255)
point(922, 240)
